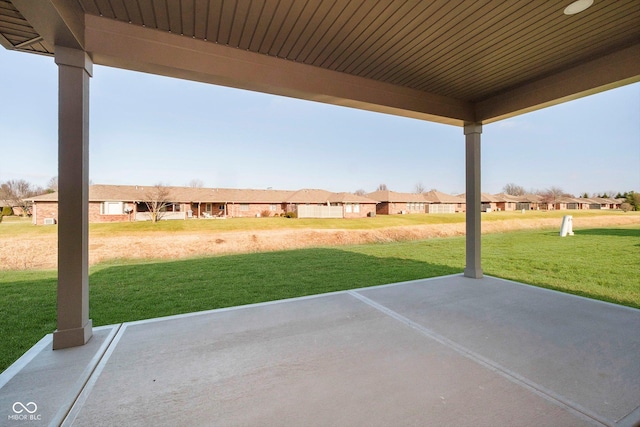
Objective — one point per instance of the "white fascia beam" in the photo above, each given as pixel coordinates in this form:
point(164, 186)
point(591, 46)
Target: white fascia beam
point(59, 22)
point(607, 72)
point(132, 47)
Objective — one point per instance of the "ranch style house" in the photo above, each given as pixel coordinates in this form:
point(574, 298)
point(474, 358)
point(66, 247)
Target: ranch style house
point(122, 203)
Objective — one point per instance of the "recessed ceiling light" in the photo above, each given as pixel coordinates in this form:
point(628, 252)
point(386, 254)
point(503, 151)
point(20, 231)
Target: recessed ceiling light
point(577, 7)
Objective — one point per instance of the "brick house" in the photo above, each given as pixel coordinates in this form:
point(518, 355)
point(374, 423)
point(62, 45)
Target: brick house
point(439, 202)
point(121, 203)
point(227, 202)
point(325, 204)
point(17, 210)
point(605, 203)
point(507, 202)
point(393, 202)
point(353, 206)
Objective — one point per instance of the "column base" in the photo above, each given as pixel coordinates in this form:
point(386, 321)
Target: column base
point(72, 337)
point(474, 273)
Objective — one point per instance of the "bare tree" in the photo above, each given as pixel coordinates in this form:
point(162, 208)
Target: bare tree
point(513, 189)
point(196, 183)
point(382, 187)
point(419, 188)
point(157, 201)
point(52, 185)
point(553, 194)
point(16, 191)
point(360, 192)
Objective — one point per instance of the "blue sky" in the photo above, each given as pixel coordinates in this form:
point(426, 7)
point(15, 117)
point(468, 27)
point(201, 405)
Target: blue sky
point(148, 129)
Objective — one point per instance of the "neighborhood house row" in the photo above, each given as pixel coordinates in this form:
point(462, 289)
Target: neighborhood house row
point(120, 203)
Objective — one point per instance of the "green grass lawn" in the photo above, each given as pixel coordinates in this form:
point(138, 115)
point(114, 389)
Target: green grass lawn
point(597, 263)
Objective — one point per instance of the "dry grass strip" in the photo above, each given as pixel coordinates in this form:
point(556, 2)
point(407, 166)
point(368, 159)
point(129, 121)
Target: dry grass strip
point(41, 252)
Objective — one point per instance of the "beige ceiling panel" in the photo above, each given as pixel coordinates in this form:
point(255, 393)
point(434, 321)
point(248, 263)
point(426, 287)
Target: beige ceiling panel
point(104, 7)
point(418, 53)
point(390, 37)
point(89, 6)
point(385, 55)
point(158, 10)
point(482, 56)
point(213, 21)
point(528, 67)
point(246, 16)
point(334, 22)
point(187, 18)
point(248, 30)
point(120, 11)
point(445, 60)
point(290, 37)
point(347, 38)
point(263, 24)
point(201, 16)
point(226, 22)
point(18, 29)
point(174, 14)
point(135, 12)
point(313, 22)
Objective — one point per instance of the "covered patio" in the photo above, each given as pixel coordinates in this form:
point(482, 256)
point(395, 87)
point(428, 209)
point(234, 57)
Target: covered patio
point(457, 350)
point(432, 352)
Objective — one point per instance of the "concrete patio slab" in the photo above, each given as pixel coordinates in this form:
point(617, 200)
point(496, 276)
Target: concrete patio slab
point(41, 387)
point(444, 351)
point(582, 352)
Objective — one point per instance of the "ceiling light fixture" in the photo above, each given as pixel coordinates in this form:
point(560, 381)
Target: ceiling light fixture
point(577, 7)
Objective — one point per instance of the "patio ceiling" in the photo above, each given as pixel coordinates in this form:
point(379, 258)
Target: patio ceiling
point(445, 61)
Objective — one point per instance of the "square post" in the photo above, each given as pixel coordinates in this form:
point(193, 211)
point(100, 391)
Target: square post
point(74, 327)
point(472, 132)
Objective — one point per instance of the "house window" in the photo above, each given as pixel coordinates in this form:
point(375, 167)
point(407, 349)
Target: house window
point(273, 208)
point(244, 207)
point(207, 207)
point(221, 207)
point(112, 208)
point(347, 208)
point(356, 207)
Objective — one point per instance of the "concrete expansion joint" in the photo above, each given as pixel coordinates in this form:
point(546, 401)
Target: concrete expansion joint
point(493, 366)
point(68, 415)
point(632, 419)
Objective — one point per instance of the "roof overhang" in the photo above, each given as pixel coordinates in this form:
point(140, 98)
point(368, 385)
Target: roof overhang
point(122, 45)
point(447, 62)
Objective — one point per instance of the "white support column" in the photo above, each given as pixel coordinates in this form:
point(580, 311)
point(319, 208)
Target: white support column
point(472, 132)
point(74, 72)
